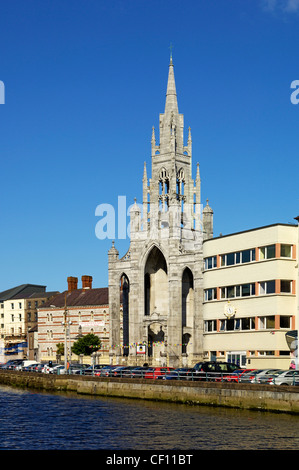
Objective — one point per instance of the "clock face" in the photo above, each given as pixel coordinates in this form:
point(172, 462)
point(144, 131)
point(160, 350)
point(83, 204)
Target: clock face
point(229, 310)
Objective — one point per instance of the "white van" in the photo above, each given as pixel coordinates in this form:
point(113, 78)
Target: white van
point(25, 364)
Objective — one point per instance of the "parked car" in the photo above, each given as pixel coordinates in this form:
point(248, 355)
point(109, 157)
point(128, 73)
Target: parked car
point(155, 372)
point(30, 367)
point(121, 371)
point(12, 363)
point(139, 372)
point(48, 368)
point(182, 373)
point(285, 377)
point(250, 377)
point(58, 369)
point(93, 369)
point(106, 371)
point(264, 375)
point(213, 370)
point(236, 375)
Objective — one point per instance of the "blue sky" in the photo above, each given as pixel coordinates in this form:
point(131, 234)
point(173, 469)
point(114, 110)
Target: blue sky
point(85, 81)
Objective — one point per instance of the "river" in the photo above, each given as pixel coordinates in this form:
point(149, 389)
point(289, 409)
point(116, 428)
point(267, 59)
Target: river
point(48, 421)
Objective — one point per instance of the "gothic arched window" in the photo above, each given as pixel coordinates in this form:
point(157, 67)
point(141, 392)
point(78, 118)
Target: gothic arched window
point(163, 190)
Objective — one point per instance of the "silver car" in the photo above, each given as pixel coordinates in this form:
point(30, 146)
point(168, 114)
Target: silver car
point(286, 377)
point(264, 375)
point(250, 377)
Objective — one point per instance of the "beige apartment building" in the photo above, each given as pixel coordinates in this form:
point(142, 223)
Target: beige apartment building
point(18, 314)
point(250, 301)
point(19, 317)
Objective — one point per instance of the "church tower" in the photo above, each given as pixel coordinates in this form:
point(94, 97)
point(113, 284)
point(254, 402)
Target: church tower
point(159, 280)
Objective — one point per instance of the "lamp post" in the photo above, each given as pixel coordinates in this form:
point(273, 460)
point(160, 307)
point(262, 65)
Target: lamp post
point(66, 323)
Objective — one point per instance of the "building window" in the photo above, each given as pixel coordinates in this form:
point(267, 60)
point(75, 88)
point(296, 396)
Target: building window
point(266, 353)
point(284, 321)
point(286, 286)
point(267, 322)
point(248, 323)
point(243, 290)
point(210, 294)
point(267, 287)
point(239, 257)
point(20, 304)
point(267, 252)
point(211, 262)
point(210, 325)
point(286, 251)
point(12, 306)
point(237, 324)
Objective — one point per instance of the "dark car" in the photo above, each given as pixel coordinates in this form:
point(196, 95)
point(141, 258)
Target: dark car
point(139, 372)
point(182, 373)
point(213, 370)
point(121, 371)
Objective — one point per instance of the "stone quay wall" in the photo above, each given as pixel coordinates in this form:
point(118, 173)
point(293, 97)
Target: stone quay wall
point(243, 396)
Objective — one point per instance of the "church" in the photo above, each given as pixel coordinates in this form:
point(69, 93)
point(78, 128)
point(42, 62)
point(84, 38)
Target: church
point(158, 284)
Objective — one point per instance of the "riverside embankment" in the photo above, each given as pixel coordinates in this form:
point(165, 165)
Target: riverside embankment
point(243, 396)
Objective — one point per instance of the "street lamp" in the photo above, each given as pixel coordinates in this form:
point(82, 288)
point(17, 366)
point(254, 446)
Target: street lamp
point(66, 323)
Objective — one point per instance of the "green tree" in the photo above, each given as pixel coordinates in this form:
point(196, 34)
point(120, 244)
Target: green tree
point(60, 349)
point(86, 345)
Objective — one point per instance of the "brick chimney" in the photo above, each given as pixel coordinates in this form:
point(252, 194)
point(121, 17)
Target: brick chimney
point(86, 282)
point(72, 283)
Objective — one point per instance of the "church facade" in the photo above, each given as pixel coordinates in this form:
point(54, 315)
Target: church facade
point(158, 285)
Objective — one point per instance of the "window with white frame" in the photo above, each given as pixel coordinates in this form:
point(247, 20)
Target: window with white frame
point(210, 325)
point(210, 294)
point(211, 262)
point(237, 324)
point(238, 257)
point(267, 322)
point(267, 252)
point(242, 290)
point(267, 287)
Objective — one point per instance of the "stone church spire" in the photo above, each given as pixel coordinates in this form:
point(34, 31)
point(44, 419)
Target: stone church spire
point(171, 122)
point(171, 104)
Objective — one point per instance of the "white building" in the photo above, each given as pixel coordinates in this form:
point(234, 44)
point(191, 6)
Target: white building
point(18, 314)
point(250, 296)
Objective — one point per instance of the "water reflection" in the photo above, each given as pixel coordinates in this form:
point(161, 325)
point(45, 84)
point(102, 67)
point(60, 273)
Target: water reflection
point(35, 421)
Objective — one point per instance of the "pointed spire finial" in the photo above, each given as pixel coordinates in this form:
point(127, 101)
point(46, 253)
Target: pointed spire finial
point(171, 104)
point(170, 47)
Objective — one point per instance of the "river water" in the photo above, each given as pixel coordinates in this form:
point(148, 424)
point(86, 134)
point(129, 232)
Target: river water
point(46, 421)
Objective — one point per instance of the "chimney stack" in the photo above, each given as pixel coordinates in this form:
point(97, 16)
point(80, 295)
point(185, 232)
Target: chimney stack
point(72, 283)
point(86, 282)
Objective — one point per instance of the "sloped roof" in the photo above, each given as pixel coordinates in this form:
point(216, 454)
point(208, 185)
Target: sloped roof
point(35, 295)
point(79, 297)
point(23, 288)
